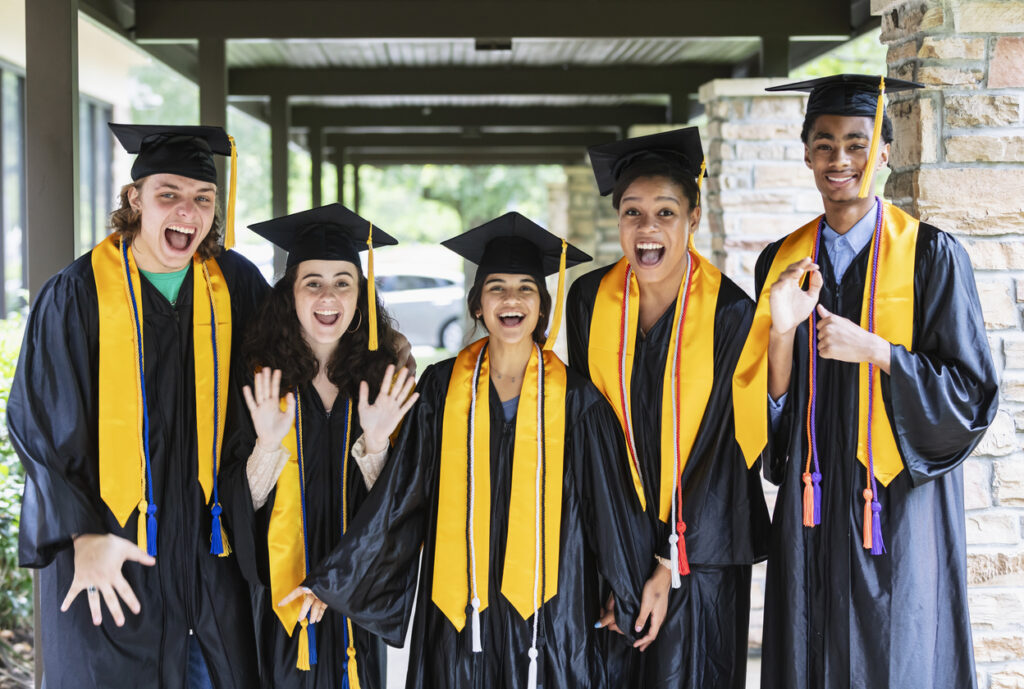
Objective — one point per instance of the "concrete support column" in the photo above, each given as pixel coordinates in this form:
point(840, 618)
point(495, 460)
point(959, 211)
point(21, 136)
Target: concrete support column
point(279, 126)
point(355, 187)
point(958, 163)
point(593, 224)
point(316, 154)
point(758, 188)
point(51, 97)
point(339, 164)
point(213, 96)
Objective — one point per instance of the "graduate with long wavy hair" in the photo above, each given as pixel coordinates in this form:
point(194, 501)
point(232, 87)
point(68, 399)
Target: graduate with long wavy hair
point(320, 349)
point(509, 475)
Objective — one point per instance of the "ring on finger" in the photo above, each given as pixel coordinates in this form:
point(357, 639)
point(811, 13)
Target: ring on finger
point(91, 590)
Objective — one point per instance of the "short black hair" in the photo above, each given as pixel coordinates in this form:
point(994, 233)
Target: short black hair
point(809, 121)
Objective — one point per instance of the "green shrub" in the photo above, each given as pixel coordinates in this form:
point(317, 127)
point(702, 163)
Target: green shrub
point(15, 583)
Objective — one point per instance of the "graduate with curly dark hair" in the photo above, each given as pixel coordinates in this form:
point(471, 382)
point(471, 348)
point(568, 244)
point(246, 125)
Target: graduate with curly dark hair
point(291, 483)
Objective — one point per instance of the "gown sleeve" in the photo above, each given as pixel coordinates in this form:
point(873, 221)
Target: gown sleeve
point(371, 575)
point(617, 529)
point(577, 332)
point(942, 396)
point(51, 419)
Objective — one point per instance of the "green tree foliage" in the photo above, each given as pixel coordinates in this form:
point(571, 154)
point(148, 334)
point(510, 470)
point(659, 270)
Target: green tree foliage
point(16, 601)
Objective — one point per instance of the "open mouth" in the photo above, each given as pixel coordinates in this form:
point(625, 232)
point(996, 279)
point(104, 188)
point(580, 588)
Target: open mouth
point(511, 319)
point(326, 316)
point(179, 237)
point(649, 254)
point(840, 180)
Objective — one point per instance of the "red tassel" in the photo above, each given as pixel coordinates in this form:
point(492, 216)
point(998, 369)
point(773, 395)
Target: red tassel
point(684, 563)
point(868, 495)
point(808, 500)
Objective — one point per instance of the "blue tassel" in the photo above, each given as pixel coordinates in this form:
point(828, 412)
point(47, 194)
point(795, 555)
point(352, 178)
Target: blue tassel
point(816, 479)
point(151, 529)
point(877, 547)
point(216, 542)
point(311, 630)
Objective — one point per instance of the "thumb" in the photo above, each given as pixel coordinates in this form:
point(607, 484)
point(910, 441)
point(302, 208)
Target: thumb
point(823, 312)
point(137, 554)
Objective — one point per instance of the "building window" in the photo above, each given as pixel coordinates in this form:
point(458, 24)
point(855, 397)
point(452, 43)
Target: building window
point(13, 290)
point(95, 191)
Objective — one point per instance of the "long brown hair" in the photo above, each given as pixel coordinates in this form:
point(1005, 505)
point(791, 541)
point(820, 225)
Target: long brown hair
point(274, 339)
point(127, 222)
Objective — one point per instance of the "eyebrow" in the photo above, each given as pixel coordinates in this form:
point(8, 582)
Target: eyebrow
point(848, 137)
point(175, 187)
point(656, 198)
point(346, 271)
point(525, 278)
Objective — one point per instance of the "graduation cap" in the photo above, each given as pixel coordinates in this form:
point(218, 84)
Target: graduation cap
point(513, 243)
point(331, 233)
point(680, 146)
point(851, 95)
point(181, 150)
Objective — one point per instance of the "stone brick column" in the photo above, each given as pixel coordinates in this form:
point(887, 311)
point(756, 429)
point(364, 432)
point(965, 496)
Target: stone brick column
point(758, 187)
point(593, 225)
point(963, 171)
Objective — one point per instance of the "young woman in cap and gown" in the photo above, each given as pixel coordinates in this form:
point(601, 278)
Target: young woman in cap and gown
point(117, 412)
point(508, 475)
point(870, 348)
point(659, 333)
point(293, 484)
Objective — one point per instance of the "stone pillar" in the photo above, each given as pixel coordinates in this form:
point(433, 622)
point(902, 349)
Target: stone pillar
point(593, 224)
point(959, 164)
point(758, 188)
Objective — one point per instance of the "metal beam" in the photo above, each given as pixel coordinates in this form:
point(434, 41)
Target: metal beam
point(488, 81)
point(170, 19)
point(484, 156)
point(279, 168)
point(316, 156)
point(51, 96)
point(330, 118)
point(775, 56)
point(578, 140)
point(213, 95)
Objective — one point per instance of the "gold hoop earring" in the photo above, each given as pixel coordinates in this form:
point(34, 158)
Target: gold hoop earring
point(357, 324)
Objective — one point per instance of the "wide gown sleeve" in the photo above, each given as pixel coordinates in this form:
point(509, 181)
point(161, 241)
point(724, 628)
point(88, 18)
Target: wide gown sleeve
point(371, 575)
point(51, 418)
point(942, 395)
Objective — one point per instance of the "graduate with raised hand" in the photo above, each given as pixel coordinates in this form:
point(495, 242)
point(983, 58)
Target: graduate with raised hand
point(659, 333)
point(869, 350)
point(294, 482)
point(508, 474)
point(117, 413)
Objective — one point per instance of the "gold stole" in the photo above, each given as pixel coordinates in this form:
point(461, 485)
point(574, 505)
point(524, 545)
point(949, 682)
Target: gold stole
point(452, 564)
point(610, 352)
point(122, 462)
point(894, 321)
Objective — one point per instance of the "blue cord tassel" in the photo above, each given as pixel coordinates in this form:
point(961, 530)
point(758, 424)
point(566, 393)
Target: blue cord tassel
point(311, 630)
point(216, 542)
point(151, 529)
point(877, 547)
point(816, 479)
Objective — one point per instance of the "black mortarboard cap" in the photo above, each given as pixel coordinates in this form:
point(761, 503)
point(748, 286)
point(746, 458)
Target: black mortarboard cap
point(186, 151)
point(680, 146)
point(853, 95)
point(330, 232)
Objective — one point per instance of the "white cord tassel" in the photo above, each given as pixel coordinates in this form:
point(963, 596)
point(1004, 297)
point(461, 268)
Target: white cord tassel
point(478, 647)
point(531, 676)
point(673, 556)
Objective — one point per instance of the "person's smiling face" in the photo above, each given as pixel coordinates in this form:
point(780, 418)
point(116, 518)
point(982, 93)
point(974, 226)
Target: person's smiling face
point(176, 214)
point(837, 150)
point(655, 221)
point(325, 294)
point(509, 306)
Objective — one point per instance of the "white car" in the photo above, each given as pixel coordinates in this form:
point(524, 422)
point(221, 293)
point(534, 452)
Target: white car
point(427, 306)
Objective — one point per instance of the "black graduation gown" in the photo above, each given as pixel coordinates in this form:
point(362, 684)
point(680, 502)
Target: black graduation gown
point(52, 419)
point(323, 436)
point(372, 574)
point(703, 642)
point(836, 616)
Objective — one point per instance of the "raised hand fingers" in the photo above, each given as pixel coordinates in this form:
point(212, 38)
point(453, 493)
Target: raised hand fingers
point(275, 385)
point(386, 380)
point(409, 401)
point(113, 605)
point(318, 610)
point(364, 397)
point(250, 401)
point(124, 590)
point(298, 591)
point(73, 592)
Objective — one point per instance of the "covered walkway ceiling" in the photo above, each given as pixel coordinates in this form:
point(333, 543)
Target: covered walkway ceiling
point(477, 80)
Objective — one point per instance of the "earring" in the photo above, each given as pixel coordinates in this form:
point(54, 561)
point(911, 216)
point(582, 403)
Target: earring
point(357, 324)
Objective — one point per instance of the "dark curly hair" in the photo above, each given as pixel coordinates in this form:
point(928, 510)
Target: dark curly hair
point(473, 299)
point(274, 338)
point(656, 167)
point(126, 222)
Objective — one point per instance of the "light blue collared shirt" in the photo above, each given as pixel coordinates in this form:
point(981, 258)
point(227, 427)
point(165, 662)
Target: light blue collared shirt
point(841, 249)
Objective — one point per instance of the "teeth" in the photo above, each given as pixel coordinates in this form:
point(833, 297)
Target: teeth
point(182, 229)
point(649, 245)
point(325, 312)
point(839, 179)
point(511, 314)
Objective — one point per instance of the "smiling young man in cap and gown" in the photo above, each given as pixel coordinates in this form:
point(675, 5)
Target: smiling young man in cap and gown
point(870, 358)
point(117, 413)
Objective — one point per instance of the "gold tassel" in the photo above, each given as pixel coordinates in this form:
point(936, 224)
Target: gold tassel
point(224, 541)
point(353, 672)
point(229, 223)
point(302, 662)
point(869, 171)
point(141, 540)
point(556, 319)
point(700, 177)
point(371, 293)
